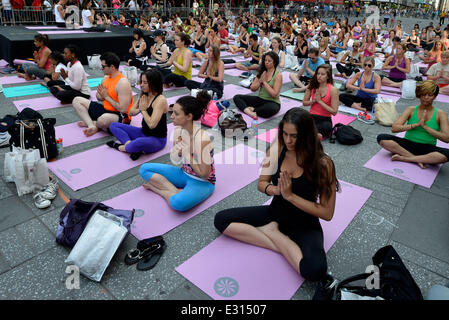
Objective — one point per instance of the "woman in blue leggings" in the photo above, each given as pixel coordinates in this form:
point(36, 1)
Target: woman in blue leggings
point(192, 183)
point(152, 136)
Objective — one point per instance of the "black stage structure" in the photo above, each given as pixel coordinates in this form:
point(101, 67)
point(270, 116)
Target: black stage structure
point(17, 42)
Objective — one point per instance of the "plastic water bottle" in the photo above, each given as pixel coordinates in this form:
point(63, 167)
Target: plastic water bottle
point(59, 146)
point(254, 127)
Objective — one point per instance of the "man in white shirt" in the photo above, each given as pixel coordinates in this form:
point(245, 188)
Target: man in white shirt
point(75, 79)
point(7, 10)
point(439, 72)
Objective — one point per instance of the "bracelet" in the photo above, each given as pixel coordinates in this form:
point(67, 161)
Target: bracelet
point(270, 184)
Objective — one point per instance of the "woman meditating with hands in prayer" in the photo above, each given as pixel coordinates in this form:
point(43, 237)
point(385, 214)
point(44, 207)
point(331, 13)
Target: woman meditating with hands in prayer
point(424, 125)
point(302, 179)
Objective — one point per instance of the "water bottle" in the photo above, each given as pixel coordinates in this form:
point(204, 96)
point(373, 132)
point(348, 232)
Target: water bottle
point(254, 126)
point(59, 146)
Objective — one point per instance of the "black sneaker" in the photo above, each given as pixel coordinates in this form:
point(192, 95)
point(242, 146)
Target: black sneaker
point(325, 290)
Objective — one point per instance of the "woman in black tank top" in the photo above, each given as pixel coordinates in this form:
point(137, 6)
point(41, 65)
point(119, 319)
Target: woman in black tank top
point(290, 224)
point(152, 136)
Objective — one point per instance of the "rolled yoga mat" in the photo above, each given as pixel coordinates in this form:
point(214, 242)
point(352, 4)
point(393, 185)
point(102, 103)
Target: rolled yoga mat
point(410, 172)
point(154, 216)
point(20, 91)
point(54, 32)
point(228, 269)
point(270, 135)
point(89, 167)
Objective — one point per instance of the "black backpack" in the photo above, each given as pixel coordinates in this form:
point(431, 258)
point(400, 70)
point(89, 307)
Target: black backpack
point(345, 135)
point(395, 281)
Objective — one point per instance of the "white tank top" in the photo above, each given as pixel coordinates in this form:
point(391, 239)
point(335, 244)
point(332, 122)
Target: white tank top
point(58, 15)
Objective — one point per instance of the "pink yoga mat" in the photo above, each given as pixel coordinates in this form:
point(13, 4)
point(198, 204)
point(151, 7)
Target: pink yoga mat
point(3, 63)
point(43, 103)
point(228, 269)
point(72, 134)
point(16, 79)
point(410, 172)
point(20, 61)
point(154, 216)
point(89, 167)
point(270, 135)
point(442, 98)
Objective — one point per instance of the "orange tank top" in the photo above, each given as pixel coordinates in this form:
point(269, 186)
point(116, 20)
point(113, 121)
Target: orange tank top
point(110, 84)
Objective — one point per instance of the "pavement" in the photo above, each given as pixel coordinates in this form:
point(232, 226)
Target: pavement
point(411, 218)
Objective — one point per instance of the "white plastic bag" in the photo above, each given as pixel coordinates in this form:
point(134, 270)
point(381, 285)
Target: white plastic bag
point(97, 244)
point(131, 74)
point(194, 92)
point(378, 64)
point(410, 55)
point(408, 89)
point(94, 61)
point(414, 71)
point(26, 169)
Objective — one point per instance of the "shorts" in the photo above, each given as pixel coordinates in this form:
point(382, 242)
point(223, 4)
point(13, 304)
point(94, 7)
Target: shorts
point(96, 110)
point(247, 64)
point(395, 79)
point(417, 149)
point(224, 46)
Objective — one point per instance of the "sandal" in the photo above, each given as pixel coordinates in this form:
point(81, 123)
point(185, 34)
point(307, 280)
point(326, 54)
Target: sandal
point(152, 257)
point(142, 249)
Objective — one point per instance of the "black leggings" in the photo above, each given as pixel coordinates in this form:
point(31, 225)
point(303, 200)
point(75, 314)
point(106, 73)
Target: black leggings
point(191, 84)
point(345, 69)
point(263, 108)
point(348, 99)
point(323, 124)
point(67, 94)
point(313, 265)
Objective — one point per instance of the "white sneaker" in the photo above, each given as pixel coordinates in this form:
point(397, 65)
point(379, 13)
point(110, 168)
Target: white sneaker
point(50, 190)
point(40, 201)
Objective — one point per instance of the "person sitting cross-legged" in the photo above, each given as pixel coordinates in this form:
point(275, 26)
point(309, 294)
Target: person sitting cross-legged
point(439, 72)
point(152, 136)
point(116, 93)
point(424, 125)
point(308, 67)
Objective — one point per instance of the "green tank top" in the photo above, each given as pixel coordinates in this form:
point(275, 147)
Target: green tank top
point(420, 135)
point(188, 74)
point(263, 93)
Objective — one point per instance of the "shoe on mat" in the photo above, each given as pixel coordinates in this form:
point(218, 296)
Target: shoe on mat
point(50, 190)
point(245, 74)
point(142, 249)
point(40, 201)
point(365, 118)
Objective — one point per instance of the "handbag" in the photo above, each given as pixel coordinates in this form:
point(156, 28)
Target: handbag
point(26, 169)
point(94, 61)
point(97, 244)
point(231, 123)
point(345, 135)
point(75, 216)
point(408, 89)
point(386, 113)
point(131, 74)
point(35, 134)
point(394, 283)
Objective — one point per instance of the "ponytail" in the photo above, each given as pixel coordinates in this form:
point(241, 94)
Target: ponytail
point(195, 106)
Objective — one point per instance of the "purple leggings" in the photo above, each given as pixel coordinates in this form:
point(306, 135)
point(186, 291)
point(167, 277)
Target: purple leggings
point(139, 141)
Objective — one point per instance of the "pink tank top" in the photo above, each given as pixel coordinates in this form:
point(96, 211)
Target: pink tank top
point(48, 63)
point(316, 108)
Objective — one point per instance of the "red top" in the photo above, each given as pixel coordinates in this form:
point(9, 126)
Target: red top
point(316, 108)
point(224, 34)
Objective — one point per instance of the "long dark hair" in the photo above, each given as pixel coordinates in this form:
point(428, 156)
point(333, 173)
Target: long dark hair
point(262, 67)
point(154, 79)
point(319, 169)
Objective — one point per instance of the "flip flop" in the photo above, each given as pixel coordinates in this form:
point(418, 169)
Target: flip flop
point(142, 249)
point(152, 258)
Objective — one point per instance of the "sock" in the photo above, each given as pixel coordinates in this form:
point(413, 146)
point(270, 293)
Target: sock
point(113, 144)
point(135, 155)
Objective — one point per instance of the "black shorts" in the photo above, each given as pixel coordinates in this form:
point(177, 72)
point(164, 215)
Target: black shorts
point(96, 110)
point(417, 149)
point(395, 79)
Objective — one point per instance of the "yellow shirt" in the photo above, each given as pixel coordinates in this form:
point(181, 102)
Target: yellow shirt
point(188, 74)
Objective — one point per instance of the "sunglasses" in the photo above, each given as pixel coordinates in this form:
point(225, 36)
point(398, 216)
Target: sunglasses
point(103, 66)
point(367, 65)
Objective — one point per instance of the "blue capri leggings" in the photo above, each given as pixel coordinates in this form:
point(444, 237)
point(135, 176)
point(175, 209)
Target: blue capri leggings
point(194, 191)
point(139, 141)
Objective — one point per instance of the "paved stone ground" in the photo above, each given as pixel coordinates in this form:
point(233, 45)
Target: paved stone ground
point(32, 264)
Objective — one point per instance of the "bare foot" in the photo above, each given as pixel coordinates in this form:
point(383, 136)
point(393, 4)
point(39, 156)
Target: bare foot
point(21, 75)
point(43, 83)
point(396, 157)
point(298, 90)
point(166, 85)
point(422, 165)
point(250, 112)
point(148, 186)
point(90, 131)
point(358, 106)
point(82, 124)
